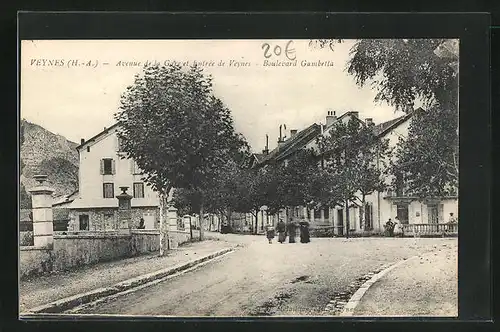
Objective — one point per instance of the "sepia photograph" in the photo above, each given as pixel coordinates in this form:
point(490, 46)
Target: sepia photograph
point(239, 178)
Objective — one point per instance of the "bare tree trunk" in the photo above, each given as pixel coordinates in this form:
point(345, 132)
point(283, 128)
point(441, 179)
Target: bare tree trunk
point(347, 223)
point(202, 220)
point(362, 213)
point(256, 221)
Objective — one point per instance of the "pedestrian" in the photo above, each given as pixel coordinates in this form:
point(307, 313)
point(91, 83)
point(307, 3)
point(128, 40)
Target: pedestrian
point(398, 228)
point(452, 219)
point(141, 224)
point(292, 230)
point(304, 232)
point(389, 227)
point(281, 228)
point(270, 233)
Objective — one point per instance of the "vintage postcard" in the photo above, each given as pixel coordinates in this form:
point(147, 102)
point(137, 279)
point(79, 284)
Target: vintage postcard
point(239, 178)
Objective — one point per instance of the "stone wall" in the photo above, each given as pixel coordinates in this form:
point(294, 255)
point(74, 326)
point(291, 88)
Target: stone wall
point(83, 249)
point(35, 261)
point(98, 221)
point(73, 249)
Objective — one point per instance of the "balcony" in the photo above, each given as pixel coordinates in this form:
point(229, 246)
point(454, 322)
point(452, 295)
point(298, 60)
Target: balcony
point(430, 229)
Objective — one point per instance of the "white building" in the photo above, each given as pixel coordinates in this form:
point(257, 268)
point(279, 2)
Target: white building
point(102, 171)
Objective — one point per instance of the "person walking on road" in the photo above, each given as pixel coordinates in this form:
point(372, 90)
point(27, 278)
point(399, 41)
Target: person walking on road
point(304, 232)
point(292, 230)
point(270, 233)
point(281, 228)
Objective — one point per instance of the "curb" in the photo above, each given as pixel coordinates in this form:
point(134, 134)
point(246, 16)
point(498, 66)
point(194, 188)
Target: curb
point(84, 298)
point(353, 302)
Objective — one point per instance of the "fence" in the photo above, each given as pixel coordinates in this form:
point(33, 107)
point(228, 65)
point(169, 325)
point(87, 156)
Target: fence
point(430, 229)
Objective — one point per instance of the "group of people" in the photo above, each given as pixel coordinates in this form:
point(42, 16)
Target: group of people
point(394, 228)
point(289, 229)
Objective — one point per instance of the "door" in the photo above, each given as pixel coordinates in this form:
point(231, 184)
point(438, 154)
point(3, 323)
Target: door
point(149, 220)
point(433, 214)
point(83, 222)
point(402, 213)
point(340, 222)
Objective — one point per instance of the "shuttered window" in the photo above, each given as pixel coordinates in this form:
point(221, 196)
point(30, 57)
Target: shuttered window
point(138, 190)
point(134, 168)
point(108, 190)
point(108, 166)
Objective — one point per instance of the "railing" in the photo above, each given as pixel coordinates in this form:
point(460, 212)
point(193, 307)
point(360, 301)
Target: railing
point(430, 229)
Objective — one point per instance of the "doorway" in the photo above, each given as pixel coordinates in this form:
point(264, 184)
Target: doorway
point(402, 213)
point(340, 222)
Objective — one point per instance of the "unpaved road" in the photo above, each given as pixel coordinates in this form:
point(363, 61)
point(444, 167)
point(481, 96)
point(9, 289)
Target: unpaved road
point(260, 279)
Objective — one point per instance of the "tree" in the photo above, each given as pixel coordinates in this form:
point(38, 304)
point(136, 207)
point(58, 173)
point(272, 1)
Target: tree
point(426, 162)
point(176, 130)
point(353, 155)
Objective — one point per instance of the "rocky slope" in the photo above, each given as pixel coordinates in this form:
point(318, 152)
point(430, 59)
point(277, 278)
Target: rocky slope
point(45, 152)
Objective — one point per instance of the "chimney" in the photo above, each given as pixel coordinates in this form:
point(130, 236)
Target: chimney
point(82, 140)
point(266, 150)
point(369, 122)
point(330, 118)
point(293, 132)
point(355, 114)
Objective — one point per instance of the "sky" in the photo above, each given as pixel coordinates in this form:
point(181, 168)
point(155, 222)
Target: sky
point(73, 87)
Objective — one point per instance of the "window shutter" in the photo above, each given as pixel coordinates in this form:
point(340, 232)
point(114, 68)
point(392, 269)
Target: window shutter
point(117, 143)
point(441, 213)
point(132, 166)
point(113, 167)
point(102, 166)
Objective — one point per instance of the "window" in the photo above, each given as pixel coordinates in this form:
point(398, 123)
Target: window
point(109, 221)
point(317, 214)
point(83, 220)
point(368, 216)
point(108, 190)
point(326, 213)
point(138, 190)
point(119, 144)
point(134, 167)
point(107, 166)
point(435, 213)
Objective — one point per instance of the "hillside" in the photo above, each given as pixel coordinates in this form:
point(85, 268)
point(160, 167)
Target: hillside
point(45, 152)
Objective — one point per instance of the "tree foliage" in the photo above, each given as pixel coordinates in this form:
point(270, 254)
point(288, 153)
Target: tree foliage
point(176, 130)
point(427, 160)
point(354, 157)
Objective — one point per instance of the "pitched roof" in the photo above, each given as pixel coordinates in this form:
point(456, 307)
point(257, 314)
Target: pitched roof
point(66, 199)
point(259, 157)
point(383, 128)
point(292, 144)
point(97, 136)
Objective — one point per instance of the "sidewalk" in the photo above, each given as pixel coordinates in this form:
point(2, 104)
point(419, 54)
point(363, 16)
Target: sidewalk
point(45, 289)
point(425, 286)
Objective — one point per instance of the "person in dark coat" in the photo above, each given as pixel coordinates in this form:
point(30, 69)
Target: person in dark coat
point(292, 230)
point(141, 224)
point(270, 233)
point(281, 228)
point(304, 232)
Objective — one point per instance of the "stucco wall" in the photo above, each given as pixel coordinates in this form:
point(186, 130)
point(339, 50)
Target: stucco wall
point(91, 180)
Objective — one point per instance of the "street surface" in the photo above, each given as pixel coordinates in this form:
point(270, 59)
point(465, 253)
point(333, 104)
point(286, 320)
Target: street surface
point(261, 279)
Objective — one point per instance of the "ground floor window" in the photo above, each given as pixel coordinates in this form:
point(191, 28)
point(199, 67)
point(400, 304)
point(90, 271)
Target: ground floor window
point(83, 220)
point(317, 214)
point(326, 213)
point(368, 216)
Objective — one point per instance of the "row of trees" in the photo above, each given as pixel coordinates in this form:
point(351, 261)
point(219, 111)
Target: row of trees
point(183, 137)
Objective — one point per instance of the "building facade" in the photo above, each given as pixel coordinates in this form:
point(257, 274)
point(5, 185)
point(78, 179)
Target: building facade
point(102, 171)
point(379, 206)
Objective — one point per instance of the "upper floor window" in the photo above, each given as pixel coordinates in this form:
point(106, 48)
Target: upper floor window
point(134, 167)
point(138, 190)
point(119, 144)
point(107, 166)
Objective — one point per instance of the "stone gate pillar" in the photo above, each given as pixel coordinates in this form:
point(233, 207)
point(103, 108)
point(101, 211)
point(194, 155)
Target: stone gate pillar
point(41, 201)
point(172, 218)
point(124, 211)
